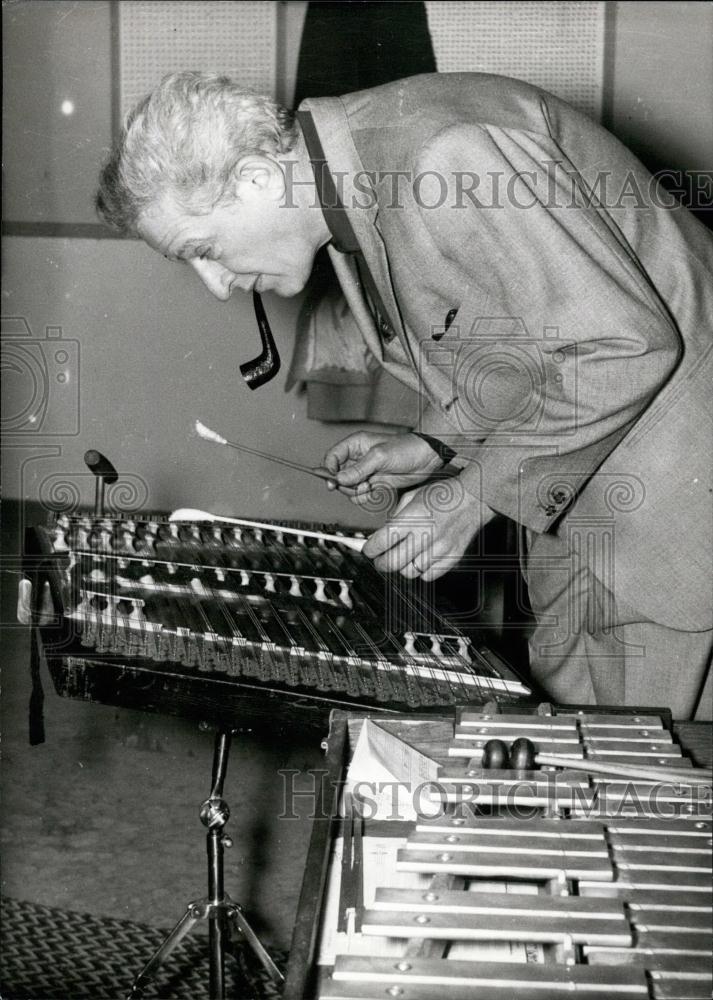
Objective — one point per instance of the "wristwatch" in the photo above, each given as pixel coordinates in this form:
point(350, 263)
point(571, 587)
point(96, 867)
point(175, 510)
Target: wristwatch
point(445, 453)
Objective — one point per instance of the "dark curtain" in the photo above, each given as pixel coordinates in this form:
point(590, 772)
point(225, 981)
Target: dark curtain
point(357, 44)
point(347, 46)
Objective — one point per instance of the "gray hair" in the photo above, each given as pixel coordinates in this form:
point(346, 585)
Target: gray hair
point(184, 140)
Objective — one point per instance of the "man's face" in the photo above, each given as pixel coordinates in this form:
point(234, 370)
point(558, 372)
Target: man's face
point(251, 242)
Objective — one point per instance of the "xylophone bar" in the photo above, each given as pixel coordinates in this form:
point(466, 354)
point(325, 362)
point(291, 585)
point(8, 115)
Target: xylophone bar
point(458, 979)
point(487, 916)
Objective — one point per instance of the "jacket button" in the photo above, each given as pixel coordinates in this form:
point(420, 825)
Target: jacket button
point(385, 330)
point(560, 497)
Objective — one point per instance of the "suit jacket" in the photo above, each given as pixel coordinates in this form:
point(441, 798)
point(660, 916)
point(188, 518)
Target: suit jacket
point(574, 380)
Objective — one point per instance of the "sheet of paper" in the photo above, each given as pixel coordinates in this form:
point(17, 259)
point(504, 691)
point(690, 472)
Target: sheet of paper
point(390, 778)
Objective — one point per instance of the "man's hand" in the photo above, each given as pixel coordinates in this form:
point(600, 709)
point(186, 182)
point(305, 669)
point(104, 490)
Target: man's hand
point(365, 460)
point(429, 532)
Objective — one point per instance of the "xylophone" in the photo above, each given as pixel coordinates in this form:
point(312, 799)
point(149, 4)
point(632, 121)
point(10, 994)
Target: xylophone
point(197, 618)
point(512, 883)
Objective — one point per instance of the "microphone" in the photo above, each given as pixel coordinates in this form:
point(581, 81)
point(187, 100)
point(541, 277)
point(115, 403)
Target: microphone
point(104, 472)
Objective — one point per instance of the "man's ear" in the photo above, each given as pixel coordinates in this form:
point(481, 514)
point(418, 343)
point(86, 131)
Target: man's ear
point(259, 173)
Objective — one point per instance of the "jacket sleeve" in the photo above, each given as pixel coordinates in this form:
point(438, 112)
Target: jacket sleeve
point(560, 341)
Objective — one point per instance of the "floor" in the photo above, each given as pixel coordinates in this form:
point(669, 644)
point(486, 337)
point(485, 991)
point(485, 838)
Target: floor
point(103, 817)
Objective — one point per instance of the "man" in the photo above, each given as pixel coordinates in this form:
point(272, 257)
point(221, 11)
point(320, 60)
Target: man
point(510, 260)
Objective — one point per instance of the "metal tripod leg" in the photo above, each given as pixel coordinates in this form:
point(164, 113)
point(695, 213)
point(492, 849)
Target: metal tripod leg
point(214, 814)
point(183, 927)
point(255, 943)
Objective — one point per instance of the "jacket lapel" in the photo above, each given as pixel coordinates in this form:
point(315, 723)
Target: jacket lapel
point(345, 164)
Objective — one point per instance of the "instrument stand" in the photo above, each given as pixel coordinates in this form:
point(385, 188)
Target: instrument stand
point(217, 907)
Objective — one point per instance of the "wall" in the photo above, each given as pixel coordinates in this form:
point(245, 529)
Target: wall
point(57, 91)
point(661, 60)
point(662, 87)
point(156, 351)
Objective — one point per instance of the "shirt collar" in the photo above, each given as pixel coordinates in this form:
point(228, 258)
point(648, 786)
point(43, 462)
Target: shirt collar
point(343, 235)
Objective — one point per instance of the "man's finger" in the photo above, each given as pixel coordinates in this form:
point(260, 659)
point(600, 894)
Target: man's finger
point(439, 567)
point(360, 495)
point(398, 556)
point(384, 538)
point(411, 548)
point(340, 453)
point(373, 462)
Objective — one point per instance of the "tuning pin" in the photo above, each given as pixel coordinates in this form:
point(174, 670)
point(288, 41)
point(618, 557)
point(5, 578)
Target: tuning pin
point(145, 544)
point(237, 536)
point(219, 574)
point(409, 643)
point(59, 540)
point(151, 534)
point(436, 645)
point(105, 537)
point(269, 583)
point(137, 612)
point(319, 593)
point(244, 578)
point(295, 587)
point(84, 606)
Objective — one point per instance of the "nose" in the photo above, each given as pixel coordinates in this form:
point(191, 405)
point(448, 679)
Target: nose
point(214, 276)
